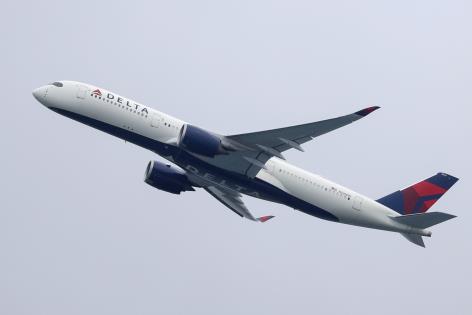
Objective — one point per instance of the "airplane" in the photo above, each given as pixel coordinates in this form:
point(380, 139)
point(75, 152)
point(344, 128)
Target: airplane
point(252, 164)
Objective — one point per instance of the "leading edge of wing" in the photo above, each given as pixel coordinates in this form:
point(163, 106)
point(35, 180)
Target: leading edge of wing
point(263, 145)
point(280, 138)
point(258, 147)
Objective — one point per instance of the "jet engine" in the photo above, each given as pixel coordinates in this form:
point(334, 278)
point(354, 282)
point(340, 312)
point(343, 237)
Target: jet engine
point(199, 141)
point(167, 178)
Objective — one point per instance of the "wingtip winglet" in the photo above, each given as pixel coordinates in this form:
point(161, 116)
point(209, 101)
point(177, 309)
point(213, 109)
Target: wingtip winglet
point(366, 111)
point(265, 218)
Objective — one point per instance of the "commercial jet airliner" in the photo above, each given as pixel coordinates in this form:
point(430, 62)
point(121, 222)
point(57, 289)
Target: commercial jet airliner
point(229, 166)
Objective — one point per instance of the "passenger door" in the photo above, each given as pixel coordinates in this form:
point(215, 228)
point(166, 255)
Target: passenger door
point(357, 203)
point(82, 91)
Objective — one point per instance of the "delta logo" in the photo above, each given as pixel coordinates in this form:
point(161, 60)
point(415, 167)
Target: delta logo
point(97, 92)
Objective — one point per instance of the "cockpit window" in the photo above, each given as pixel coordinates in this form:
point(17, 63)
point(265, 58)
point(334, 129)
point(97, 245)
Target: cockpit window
point(58, 84)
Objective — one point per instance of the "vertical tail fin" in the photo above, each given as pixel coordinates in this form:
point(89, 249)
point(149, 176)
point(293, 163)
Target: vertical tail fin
point(419, 197)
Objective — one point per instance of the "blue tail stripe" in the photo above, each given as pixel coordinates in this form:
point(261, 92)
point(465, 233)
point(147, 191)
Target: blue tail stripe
point(443, 180)
point(393, 201)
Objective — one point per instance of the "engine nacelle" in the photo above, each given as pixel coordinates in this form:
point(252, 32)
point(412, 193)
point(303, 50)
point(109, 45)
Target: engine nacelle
point(167, 178)
point(199, 141)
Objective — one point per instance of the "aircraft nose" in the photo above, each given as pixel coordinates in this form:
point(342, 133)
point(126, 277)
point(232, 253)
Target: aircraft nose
point(40, 94)
point(37, 93)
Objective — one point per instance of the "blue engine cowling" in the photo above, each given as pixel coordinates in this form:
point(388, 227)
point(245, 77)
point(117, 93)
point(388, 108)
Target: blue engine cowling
point(199, 141)
point(167, 178)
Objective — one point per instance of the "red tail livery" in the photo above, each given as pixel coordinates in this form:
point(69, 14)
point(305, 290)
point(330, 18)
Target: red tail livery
point(421, 196)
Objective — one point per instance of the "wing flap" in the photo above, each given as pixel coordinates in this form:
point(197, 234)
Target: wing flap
point(233, 201)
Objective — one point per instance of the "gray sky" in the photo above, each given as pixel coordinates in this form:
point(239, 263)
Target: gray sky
point(80, 233)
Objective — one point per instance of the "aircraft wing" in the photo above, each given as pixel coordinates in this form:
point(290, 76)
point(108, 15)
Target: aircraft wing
point(286, 138)
point(258, 147)
point(233, 201)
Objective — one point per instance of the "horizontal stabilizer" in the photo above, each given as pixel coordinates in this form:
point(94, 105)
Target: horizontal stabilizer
point(423, 220)
point(415, 239)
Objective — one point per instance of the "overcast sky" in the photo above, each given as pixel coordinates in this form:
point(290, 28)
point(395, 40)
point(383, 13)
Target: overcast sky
point(81, 233)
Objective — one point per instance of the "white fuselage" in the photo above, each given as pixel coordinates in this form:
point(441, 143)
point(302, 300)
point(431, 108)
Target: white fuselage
point(111, 109)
